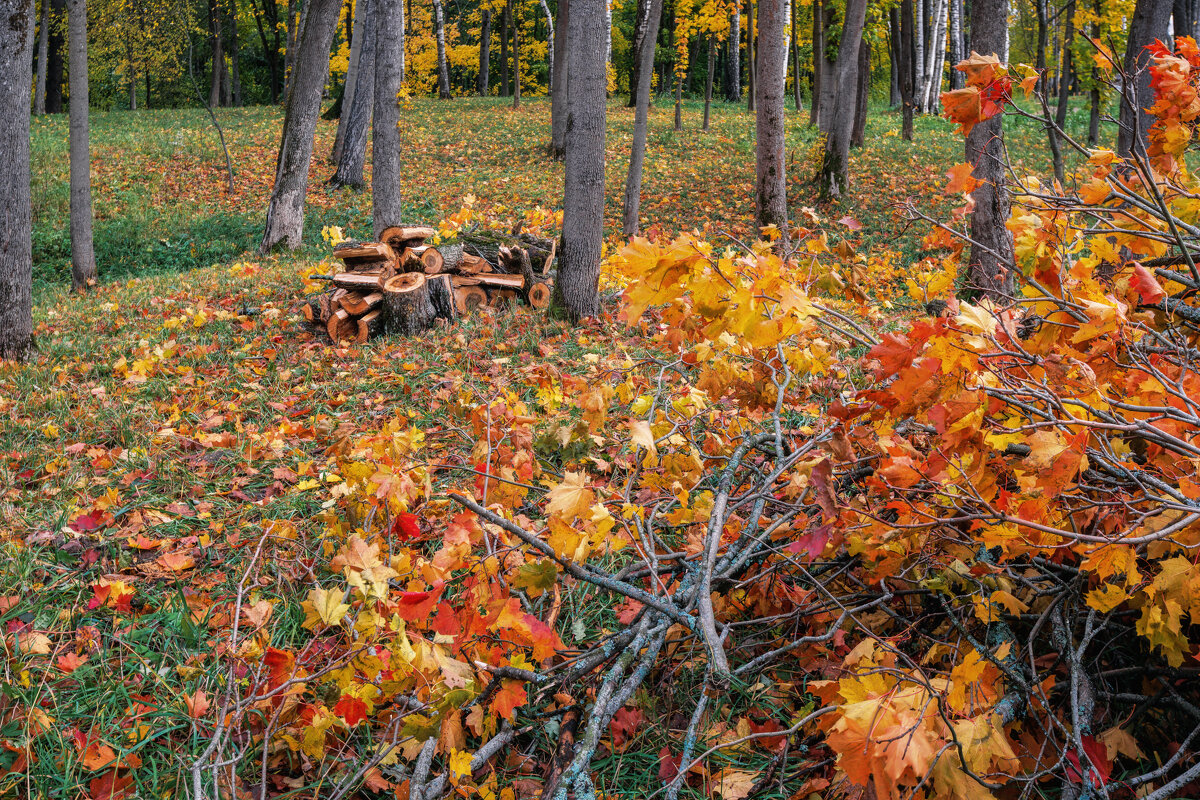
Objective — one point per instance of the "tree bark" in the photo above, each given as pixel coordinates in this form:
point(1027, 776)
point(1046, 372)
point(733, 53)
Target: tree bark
point(957, 79)
point(352, 72)
point(835, 172)
point(439, 31)
point(385, 129)
point(218, 57)
point(83, 258)
point(769, 85)
point(641, 21)
point(549, 38)
point(935, 58)
point(637, 156)
point(560, 79)
point(1043, 32)
point(39, 95)
point(235, 73)
point(858, 135)
point(1149, 22)
point(919, 47)
point(16, 223)
point(794, 42)
point(54, 66)
point(905, 66)
point(751, 55)
point(485, 52)
point(310, 69)
point(708, 80)
point(504, 23)
point(990, 259)
point(577, 288)
point(818, 60)
point(516, 54)
point(733, 64)
point(1064, 88)
point(1094, 96)
point(357, 116)
point(830, 101)
point(1186, 15)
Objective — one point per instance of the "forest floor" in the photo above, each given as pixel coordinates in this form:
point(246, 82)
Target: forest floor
point(169, 420)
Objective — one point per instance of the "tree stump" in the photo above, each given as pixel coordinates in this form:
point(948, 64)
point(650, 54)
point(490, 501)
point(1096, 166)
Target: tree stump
point(408, 309)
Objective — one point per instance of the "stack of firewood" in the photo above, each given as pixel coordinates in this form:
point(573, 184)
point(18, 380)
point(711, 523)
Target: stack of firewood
point(403, 285)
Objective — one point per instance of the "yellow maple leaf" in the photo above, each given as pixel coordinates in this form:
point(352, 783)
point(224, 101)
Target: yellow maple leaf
point(571, 498)
point(324, 606)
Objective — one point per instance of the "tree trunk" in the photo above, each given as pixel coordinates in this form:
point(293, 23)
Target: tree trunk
point(386, 179)
point(905, 65)
point(678, 101)
point(270, 48)
point(485, 52)
point(516, 54)
point(818, 60)
point(1064, 87)
point(769, 84)
point(708, 80)
point(641, 21)
point(54, 65)
point(39, 96)
point(957, 79)
point(1094, 96)
point(1186, 15)
point(549, 38)
point(439, 30)
point(218, 57)
point(577, 287)
point(795, 45)
point(858, 135)
point(834, 179)
point(310, 69)
point(350, 86)
point(830, 101)
point(637, 156)
point(1149, 22)
point(16, 224)
point(504, 22)
point(235, 74)
point(733, 64)
point(83, 259)
point(357, 116)
point(1039, 55)
point(559, 101)
point(991, 250)
point(894, 100)
point(751, 55)
point(919, 47)
point(935, 58)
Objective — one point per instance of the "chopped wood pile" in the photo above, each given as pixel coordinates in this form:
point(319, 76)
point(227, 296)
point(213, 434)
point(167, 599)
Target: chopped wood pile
point(403, 285)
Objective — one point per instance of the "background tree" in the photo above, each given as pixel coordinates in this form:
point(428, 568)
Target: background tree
point(637, 156)
point(83, 258)
point(358, 116)
point(54, 61)
point(834, 178)
point(346, 102)
point(1149, 22)
point(577, 289)
point(559, 82)
point(43, 52)
point(641, 26)
point(905, 64)
point(285, 212)
point(733, 60)
point(16, 223)
point(769, 84)
point(385, 128)
point(439, 26)
point(485, 54)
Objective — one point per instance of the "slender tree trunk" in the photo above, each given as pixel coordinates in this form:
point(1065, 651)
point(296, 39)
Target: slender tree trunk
point(733, 64)
point(640, 22)
point(862, 95)
point(83, 258)
point(549, 38)
point(43, 50)
point(633, 181)
point(235, 75)
point(678, 101)
point(1064, 88)
point(1039, 55)
point(357, 115)
point(990, 260)
point(295, 24)
point(935, 58)
point(919, 79)
point(955, 44)
point(504, 25)
point(894, 100)
point(485, 52)
point(559, 100)
point(905, 66)
point(270, 53)
point(351, 84)
point(386, 179)
point(818, 61)
point(830, 101)
point(131, 82)
point(54, 65)
point(795, 46)
point(577, 287)
point(439, 30)
point(769, 84)
point(835, 171)
point(1149, 23)
point(751, 55)
point(310, 70)
point(16, 223)
point(516, 54)
point(218, 57)
point(1094, 96)
point(708, 80)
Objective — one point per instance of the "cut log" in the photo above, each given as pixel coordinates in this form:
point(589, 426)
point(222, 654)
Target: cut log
point(539, 295)
point(468, 298)
point(363, 282)
point(401, 236)
point(407, 307)
point(432, 261)
point(369, 325)
point(550, 258)
point(358, 304)
point(487, 243)
point(497, 297)
point(371, 265)
point(452, 256)
point(500, 281)
point(342, 326)
point(361, 251)
point(410, 259)
point(441, 294)
point(472, 264)
point(463, 280)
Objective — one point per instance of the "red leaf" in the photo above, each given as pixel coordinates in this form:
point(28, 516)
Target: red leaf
point(1098, 770)
point(406, 527)
point(851, 223)
point(624, 725)
point(1147, 286)
point(668, 765)
point(84, 522)
point(351, 708)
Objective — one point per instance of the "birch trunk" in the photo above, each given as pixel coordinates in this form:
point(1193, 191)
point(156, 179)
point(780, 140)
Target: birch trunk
point(577, 287)
point(439, 29)
point(16, 224)
point(733, 65)
point(640, 21)
point(919, 51)
point(935, 58)
point(485, 54)
point(310, 69)
point(954, 42)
